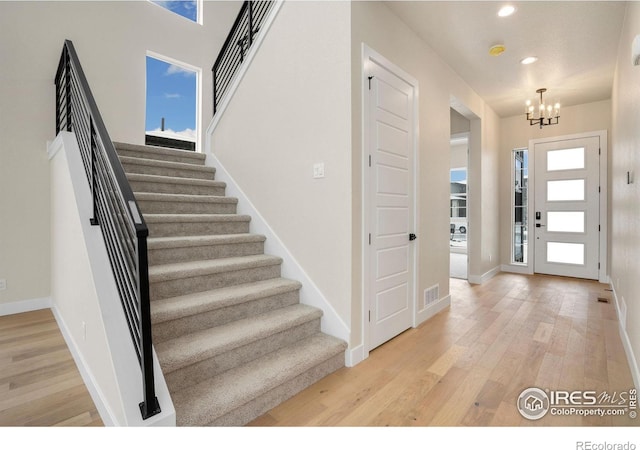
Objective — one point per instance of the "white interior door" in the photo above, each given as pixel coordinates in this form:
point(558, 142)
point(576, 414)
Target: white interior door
point(392, 208)
point(567, 207)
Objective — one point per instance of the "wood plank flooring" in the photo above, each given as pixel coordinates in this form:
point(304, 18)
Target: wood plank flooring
point(468, 365)
point(39, 382)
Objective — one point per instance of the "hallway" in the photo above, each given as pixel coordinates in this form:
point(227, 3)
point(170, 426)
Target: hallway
point(468, 365)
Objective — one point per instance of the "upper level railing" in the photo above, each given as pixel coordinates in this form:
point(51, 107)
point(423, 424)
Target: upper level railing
point(250, 19)
point(114, 209)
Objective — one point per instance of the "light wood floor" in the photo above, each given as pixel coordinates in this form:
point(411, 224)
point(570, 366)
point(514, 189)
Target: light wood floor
point(39, 382)
point(468, 365)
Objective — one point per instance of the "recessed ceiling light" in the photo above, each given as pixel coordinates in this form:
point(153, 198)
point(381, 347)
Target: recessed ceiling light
point(528, 60)
point(506, 10)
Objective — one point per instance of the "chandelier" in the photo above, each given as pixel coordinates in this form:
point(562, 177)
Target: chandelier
point(545, 114)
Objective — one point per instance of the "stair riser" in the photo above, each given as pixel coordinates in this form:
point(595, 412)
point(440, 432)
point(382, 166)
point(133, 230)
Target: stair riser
point(174, 328)
point(195, 373)
point(168, 171)
point(197, 228)
point(159, 157)
point(183, 286)
point(184, 254)
point(173, 188)
point(260, 405)
point(176, 207)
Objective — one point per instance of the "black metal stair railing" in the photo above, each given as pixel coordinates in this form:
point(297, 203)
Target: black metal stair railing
point(250, 19)
point(114, 209)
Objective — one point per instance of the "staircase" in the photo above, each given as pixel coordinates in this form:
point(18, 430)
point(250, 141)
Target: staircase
point(232, 338)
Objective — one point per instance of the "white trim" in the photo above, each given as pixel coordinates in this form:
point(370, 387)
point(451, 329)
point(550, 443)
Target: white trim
point(21, 306)
point(310, 294)
point(198, 71)
point(516, 268)
point(107, 416)
point(434, 308)
point(603, 163)
point(368, 54)
point(624, 337)
point(355, 356)
point(233, 87)
point(481, 279)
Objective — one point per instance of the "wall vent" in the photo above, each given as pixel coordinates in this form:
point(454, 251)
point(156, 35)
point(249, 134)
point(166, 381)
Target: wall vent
point(431, 295)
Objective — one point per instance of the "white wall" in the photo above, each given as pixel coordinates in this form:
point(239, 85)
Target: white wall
point(375, 25)
point(516, 133)
point(625, 198)
point(292, 109)
point(112, 39)
point(85, 299)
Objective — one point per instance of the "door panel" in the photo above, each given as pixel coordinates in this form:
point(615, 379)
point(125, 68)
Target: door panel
point(567, 235)
point(392, 205)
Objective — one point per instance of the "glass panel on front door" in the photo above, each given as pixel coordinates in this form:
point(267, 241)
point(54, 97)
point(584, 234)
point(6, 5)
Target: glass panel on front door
point(565, 253)
point(565, 221)
point(565, 190)
point(565, 159)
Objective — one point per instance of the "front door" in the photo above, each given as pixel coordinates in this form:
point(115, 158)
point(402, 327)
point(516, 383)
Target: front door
point(391, 211)
point(567, 207)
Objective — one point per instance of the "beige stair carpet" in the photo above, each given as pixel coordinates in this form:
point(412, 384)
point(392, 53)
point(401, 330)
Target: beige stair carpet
point(231, 335)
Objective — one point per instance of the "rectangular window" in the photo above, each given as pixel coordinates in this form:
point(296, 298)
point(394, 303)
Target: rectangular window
point(566, 159)
point(565, 190)
point(519, 201)
point(565, 221)
point(189, 9)
point(565, 253)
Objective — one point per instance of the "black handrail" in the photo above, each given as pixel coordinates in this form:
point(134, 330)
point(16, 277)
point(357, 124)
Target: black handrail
point(242, 35)
point(114, 208)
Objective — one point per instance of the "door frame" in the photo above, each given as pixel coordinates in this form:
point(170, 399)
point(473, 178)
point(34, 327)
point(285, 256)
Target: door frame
point(369, 55)
point(603, 200)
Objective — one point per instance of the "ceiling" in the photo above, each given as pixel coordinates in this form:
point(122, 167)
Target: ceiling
point(576, 43)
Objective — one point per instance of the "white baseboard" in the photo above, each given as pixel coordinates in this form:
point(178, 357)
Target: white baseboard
point(354, 356)
point(624, 337)
point(22, 306)
point(432, 309)
point(92, 386)
point(480, 279)
point(516, 268)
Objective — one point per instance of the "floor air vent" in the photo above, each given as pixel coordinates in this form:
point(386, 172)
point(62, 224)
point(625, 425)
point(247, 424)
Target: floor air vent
point(431, 295)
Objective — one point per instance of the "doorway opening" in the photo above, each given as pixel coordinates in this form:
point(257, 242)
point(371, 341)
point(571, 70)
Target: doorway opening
point(172, 103)
point(458, 195)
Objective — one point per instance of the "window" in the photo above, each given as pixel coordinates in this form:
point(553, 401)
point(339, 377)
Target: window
point(458, 197)
point(171, 104)
point(189, 9)
point(519, 199)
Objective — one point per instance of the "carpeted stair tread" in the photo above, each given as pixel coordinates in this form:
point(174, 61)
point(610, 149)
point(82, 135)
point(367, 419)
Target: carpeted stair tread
point(189, 269)
point(174, 180)
point(200, 302)
point(165, 164)
point(197, 241)
point(192, 348)
point(153, 152)
point(184, 198)
point(207, 401)
point(182, 218)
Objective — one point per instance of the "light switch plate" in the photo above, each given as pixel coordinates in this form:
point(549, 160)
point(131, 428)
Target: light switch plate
point(318, 170)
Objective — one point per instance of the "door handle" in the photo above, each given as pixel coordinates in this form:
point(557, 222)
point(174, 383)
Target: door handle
point(538, 225)
point(412, 237)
